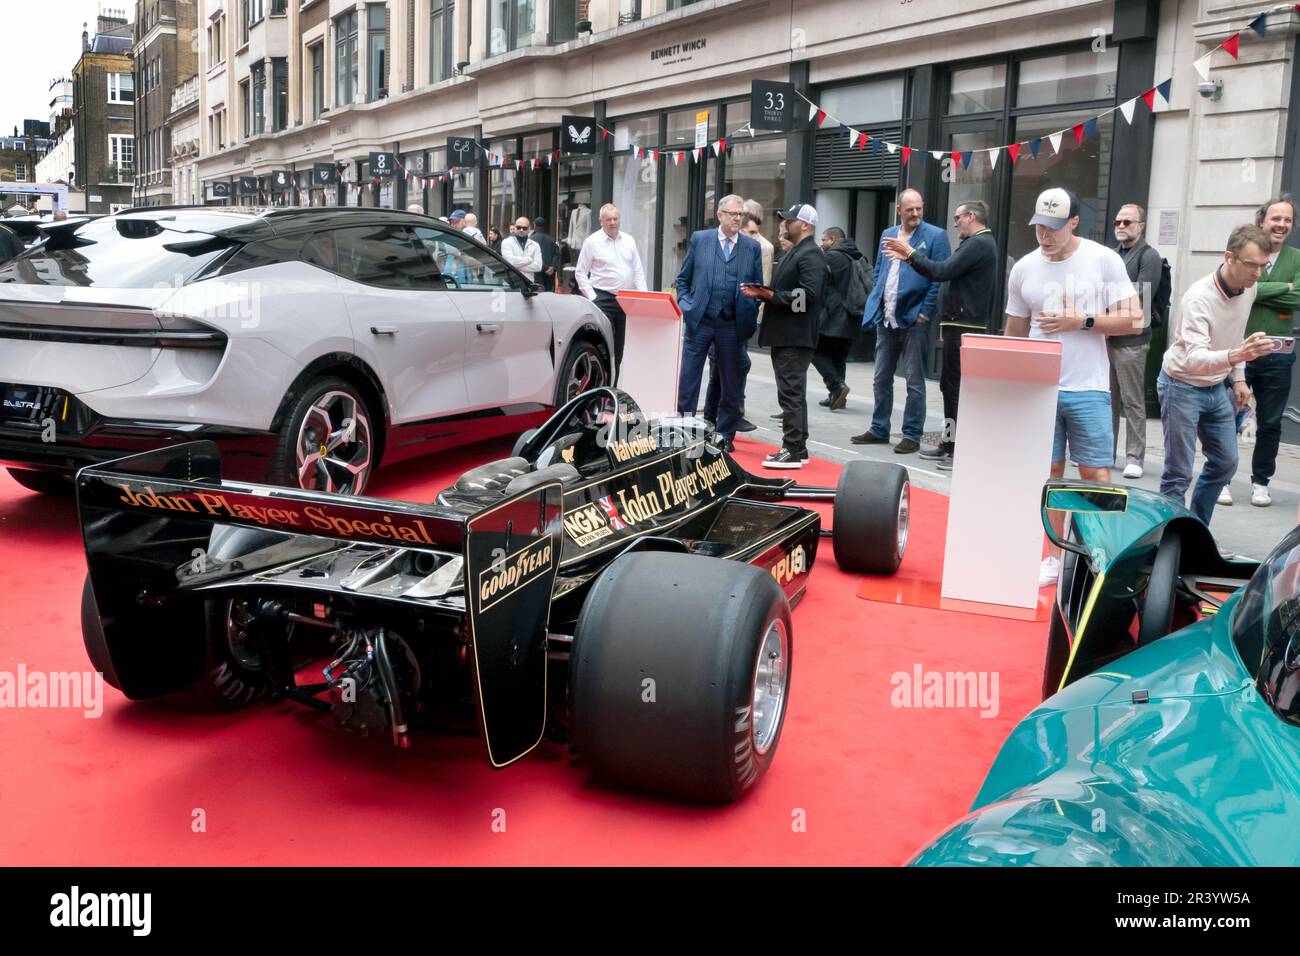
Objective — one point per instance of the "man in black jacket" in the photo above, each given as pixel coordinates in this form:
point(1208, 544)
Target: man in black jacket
point(839, 323)
point(550, 254)
point(971, 274)
point(791, 319)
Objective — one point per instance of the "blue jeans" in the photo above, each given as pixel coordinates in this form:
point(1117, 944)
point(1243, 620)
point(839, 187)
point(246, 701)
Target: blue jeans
point(1188, 412)
point(1083, 421)
point(1269, 377)
point(719, 334)
point(891, 344)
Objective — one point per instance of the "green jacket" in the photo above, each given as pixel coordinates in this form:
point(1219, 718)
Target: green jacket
point(1274, 302)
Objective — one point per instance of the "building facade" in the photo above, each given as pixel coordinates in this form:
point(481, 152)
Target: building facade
point(183, 135)
point(103, 90)
point(166, 54)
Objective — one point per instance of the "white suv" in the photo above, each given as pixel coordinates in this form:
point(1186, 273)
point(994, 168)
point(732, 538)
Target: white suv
point(309, 343)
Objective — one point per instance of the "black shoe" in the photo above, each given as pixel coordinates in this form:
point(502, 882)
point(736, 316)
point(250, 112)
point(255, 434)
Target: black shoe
point(826, 402)
point(907, 446)
point(944, 464)
point(937, 453)
point(779, 417)
point(867, 438)
point(785, 458)
point(840, 398)
point(745, 425)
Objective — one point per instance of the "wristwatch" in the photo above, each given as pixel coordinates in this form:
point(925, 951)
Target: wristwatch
point(1089, 321)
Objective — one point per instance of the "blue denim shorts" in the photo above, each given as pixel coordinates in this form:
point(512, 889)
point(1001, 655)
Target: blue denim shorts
point(1083, 422)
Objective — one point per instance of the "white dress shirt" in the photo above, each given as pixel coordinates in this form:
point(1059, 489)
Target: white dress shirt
point(525, 256)
point(891, 288)
point(609, 264)
point(724, 240)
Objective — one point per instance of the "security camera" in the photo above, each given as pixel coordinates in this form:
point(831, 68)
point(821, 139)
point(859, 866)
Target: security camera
point(1211, 89)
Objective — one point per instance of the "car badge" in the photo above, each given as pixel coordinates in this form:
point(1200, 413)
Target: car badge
point(567, 454)
point(324, 452)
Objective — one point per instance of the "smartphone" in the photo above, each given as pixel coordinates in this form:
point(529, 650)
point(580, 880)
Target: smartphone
point(1282, 344)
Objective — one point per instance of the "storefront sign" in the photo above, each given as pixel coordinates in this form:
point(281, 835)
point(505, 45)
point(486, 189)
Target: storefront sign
point(772, 106)
point(701, 129)
point(1168, 227)
point(219, 191)
point(577, 134)
point(462, 151)
point(324, 174)
point(678, 52)
point(248, 185)
point(281, 179)
point(381, 164)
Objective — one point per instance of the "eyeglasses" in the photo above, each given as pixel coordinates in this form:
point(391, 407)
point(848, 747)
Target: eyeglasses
point(957, 218)
point(1127, 222)
point(1253, 266)
point(522, 228)
point(731, 212)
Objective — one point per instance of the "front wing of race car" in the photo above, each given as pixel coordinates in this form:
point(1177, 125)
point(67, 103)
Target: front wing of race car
point(153, 525)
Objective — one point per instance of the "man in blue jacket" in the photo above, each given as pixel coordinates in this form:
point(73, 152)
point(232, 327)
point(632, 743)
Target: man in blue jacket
point(715, 313)
point(901, 303)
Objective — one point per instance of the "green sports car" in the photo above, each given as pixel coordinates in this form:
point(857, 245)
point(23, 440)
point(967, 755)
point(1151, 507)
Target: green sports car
point(1172, 733)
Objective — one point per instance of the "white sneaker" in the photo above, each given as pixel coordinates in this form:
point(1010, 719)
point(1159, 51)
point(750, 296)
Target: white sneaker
point(1225, 496)
point(1259, 496)
point(1049, 571)
point(1133, 470)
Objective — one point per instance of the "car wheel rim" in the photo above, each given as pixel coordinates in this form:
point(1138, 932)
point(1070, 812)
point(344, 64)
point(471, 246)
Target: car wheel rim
point(904, 513)
point(585, 373)
point(334, 445)
point(239, 621)
point(771, 679)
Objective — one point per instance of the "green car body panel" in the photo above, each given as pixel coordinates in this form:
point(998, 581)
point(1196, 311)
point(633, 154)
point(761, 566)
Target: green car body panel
point(1166, 756)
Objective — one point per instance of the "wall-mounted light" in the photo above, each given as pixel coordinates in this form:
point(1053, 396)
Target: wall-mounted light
point(1211, 89)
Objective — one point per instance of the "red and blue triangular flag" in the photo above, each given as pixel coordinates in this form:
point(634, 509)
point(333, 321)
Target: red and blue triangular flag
point(1163, 90)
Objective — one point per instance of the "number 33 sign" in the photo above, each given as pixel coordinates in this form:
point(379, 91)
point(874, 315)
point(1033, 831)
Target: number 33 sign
point(772, 106)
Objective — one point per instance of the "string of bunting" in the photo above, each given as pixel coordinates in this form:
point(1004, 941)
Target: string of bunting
point(695, 154)
point(1080, 131)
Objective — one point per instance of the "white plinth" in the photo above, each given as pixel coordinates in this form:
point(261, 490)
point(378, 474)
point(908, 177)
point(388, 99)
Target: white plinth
point(652, 353)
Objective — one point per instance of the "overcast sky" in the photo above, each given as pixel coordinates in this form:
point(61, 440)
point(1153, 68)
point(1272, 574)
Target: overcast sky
point(43, 42)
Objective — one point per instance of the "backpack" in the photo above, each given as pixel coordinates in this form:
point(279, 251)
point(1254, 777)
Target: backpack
point(860, 282)
point(1160, 301)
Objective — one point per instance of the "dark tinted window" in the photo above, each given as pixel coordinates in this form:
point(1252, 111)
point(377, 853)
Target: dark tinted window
point(319, 251)
point(1266, 628)
point(386, 256)
point(117, 253)
point(264, 253)
point(462, 264)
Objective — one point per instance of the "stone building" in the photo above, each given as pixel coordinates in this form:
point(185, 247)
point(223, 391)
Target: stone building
point(104, 115)
point(165, 50)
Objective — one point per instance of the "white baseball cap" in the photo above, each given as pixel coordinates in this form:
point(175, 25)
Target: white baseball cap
point(801, 211)
point(1055, 207)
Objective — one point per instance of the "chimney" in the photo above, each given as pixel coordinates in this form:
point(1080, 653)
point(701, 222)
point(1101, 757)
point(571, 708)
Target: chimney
point(85, 38)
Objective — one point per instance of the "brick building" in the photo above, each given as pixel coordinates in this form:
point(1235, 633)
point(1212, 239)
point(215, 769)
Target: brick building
point(166, 55)
point(103, 83)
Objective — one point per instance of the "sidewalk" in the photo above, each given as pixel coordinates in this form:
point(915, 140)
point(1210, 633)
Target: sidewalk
point(1241, 528)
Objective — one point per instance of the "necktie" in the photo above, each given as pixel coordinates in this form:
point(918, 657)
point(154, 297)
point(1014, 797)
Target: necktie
point(727, 250)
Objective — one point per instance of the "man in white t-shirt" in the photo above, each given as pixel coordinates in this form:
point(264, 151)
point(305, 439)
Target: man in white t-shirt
point(1077, 292)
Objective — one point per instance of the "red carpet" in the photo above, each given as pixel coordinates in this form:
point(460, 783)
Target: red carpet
point(279, 785)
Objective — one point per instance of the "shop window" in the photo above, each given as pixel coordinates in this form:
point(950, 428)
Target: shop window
point(577, 219)
point(642, 131)
point(317, 80)
point(386, 257)
point(376, 52)
point(258, 76)
point(879, 101)
point(502, 195)
point(1083, 169)
point(564, 20)
point(1069, 78)
point(681, 127)
point(756, 170)
point(979, 89)
point(279, 93)
point(636, 188)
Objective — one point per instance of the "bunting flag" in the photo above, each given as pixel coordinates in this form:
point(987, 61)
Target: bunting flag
point(875, 145)
point(907, 153)
point(1230, 44)
point(1077, 129)
point(1034, 145)
point(1163, 89)
point(1090, 128)
point(892, 147)
point(993, 157)
point(821, 117)
point(862, 141)
point(965, 158)
point(1258, 24)
point(1014, 152)
point(1149, 98)
point(812, 111)
point(937, 153)
point(1055, 140)
point(956, 158)
point(1127, 109)
point(1203, 66)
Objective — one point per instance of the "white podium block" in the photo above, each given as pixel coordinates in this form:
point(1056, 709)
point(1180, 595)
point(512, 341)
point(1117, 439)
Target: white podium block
point(1004, 449)
point(652, 353)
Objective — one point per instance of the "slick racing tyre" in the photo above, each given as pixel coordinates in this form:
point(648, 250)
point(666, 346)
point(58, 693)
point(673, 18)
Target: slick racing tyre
point(1157, 617)
point(1058, 654)
point(326, 442)
point(521, 441)
point(869, 526)
point(585, 367)
point(680, 675)
point(232, 672)
point(45, 482)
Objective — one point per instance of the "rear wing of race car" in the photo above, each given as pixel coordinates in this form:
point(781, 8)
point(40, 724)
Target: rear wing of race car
point(146, 519)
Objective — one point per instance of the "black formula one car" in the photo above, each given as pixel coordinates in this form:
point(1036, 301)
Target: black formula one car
point(619, 584)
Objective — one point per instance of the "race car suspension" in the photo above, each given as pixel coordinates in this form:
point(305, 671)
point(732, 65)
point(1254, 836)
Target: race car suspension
point(364, 688)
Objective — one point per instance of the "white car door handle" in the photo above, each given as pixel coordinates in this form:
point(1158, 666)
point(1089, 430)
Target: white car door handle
point(488, 327)
point(383, 330)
